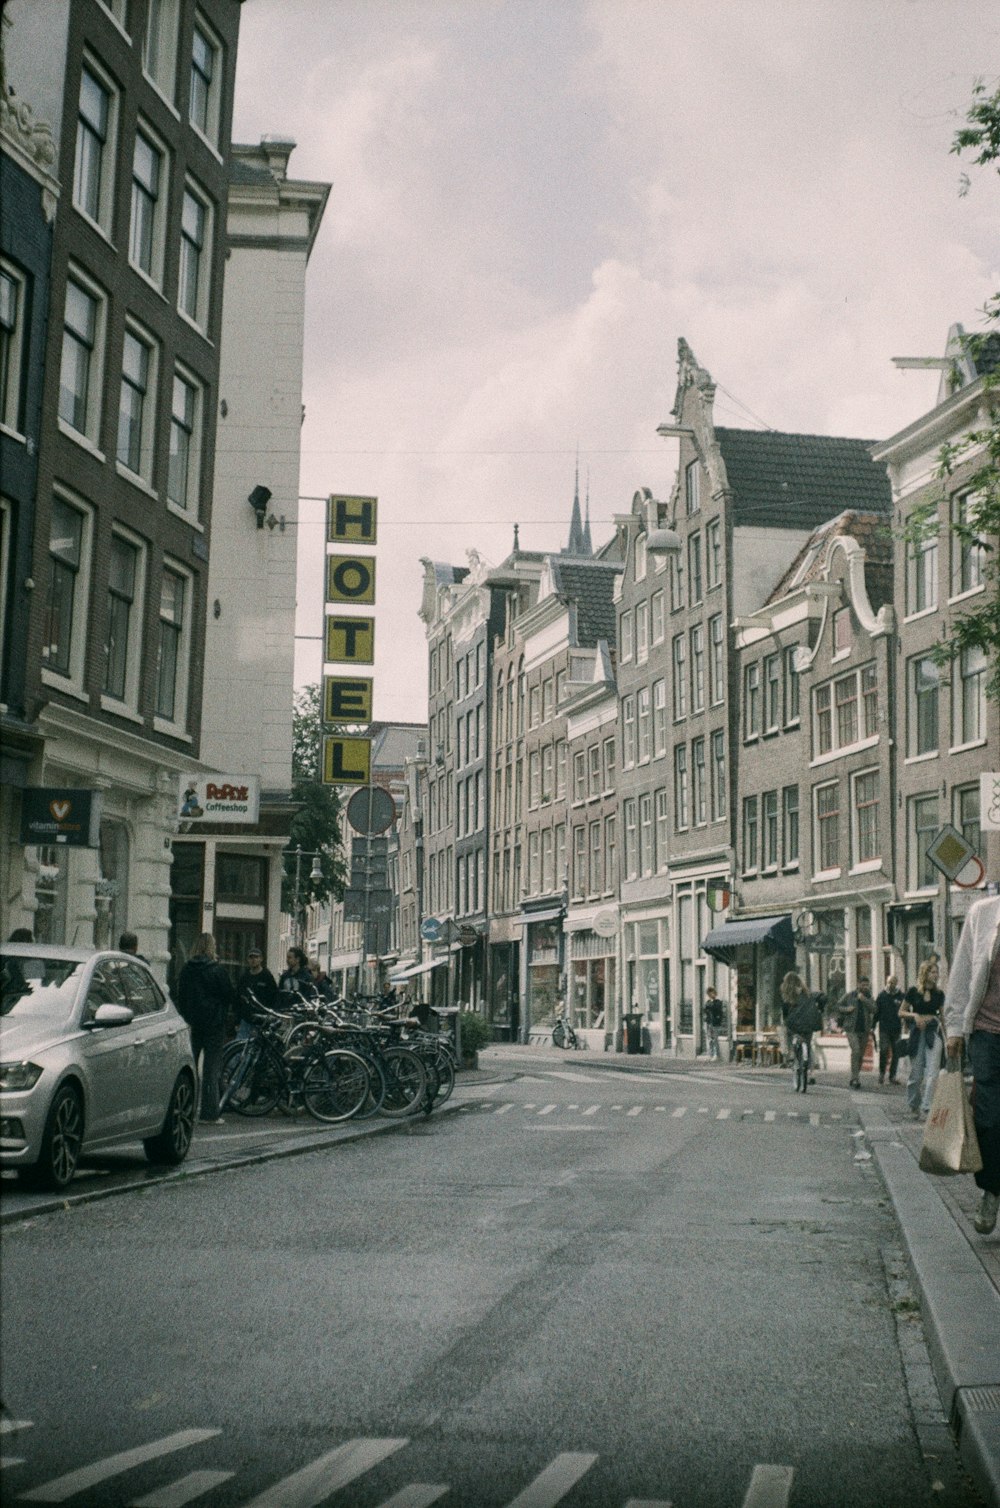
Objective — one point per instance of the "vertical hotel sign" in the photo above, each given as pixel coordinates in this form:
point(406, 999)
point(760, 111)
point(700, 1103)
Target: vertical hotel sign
point(348, 636)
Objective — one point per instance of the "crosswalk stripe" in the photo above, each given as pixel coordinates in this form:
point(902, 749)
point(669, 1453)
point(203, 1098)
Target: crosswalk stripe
point(184, 1490)
point(6, 1461)
point(723, 1115)
point(702, 1109)
point(636, 1110)
point(529, 1105)
point(592, 1109)
point(769, 1115)
point(61, 1488)
point(11, 1426)
point(327, 1474)
point(661, 1108)
point(814, 1119)
point(770, 1487)
point(503, 1109)
point(681, 1110)
point(546, 1110)
point(551, 1485)
point(416, 1495)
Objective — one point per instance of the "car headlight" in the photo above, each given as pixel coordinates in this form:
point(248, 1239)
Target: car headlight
point(19, 1075)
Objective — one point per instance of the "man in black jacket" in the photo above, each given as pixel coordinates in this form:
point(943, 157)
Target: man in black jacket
point(204, 996)
point(887, 1004)
point(856, 1012)
point(256, 986)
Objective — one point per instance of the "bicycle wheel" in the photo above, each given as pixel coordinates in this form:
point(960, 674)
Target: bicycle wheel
point(445, 1068)
point(376, 1086)
point(261, 1086)
point(406, 1081)
point(335, 1085)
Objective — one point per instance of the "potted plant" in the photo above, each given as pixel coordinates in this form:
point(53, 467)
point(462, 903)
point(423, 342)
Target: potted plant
point(476, 1033)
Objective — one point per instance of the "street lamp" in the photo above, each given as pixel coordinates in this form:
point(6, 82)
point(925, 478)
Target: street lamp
point(315, 873)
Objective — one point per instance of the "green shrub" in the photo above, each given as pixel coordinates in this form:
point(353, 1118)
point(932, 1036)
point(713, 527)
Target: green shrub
point(476, 1032)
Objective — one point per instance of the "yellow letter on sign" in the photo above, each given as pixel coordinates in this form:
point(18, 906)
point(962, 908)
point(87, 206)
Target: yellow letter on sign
point(347, 701)
point(350, 578)
point(347, 761)
point(351, 520)
point(350, 640)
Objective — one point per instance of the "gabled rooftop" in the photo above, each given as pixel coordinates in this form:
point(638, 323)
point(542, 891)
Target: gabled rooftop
point(793, 481)
point(589, 585)
point(870, 530)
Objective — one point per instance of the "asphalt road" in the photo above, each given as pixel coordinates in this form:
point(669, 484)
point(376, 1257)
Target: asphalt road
point(595, 1290)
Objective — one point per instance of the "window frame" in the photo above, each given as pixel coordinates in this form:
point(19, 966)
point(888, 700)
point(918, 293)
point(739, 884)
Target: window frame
point(859, 807)
point(173, 723)
point(102, 219)
point(128, 701)
point(968, 701)
point(14, 348)
point(194, 192)
point(93, 404)
point(826, 842)
point(148, 401)
point(212, 94)
point(158, 213)
point(163, 18)
point(72, 677)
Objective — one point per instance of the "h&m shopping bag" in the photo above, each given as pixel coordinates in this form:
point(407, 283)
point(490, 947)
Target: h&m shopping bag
point(950, 1144)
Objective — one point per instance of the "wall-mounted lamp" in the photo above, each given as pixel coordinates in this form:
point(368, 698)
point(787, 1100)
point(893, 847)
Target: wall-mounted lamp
point(258, 500)
point(660, 540)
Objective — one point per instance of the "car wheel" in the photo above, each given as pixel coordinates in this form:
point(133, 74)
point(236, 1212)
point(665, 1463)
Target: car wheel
point(172, 1144)
point(61, 1142)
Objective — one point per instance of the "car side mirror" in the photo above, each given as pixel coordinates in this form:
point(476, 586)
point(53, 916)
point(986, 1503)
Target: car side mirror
point(111, 1015)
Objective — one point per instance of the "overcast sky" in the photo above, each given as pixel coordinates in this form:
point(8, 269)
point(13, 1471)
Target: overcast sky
point(533, 199)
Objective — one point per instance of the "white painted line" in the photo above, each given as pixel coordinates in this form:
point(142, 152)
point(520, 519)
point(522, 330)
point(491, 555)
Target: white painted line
point(648, 1503)
point(574, 1078)
point(770, 1114)
point(6, 1461)
point(184, 1490)
point(592, 1109)
point(546, 1110)
point(661, 1108)
point(793, 1115)
point(503, 1109)
point(837, 1117)
point(702, 1109)
point(552, 1485)
point(564, 1126)
point(723, 1115)
point(61, 1488)
point(416, 1495)
point(572, 1107)
point(681, 1110)
point(11, 1426)
point(814, 1119)
point(327, 1474)
point(617, 1107)
point(636, 1110)
point(529, 1105)
point(770, 1487)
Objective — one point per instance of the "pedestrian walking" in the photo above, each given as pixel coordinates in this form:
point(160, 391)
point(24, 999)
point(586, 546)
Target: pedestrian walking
point(972, 1018)
point(805, 1016)
point(887, 1003)
point(922, 1008)
point(204, 996)
point(713, 1021)
point(255, 987)
point(856, 1013)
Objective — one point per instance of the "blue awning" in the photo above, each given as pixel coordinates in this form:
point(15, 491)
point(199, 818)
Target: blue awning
point(772, 933)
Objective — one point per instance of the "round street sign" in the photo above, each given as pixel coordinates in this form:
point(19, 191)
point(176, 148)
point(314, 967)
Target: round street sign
point(430, 929)
point(371, 809)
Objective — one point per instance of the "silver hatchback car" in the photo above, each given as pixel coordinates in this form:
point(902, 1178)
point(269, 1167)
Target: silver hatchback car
point(93, 1054)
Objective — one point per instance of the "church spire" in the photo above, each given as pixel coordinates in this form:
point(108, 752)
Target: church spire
point(579, 539)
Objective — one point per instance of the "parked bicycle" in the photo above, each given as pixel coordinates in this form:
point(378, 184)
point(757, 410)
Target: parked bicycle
point(801, 1062)
point(563, 1034)
point(261, 1072)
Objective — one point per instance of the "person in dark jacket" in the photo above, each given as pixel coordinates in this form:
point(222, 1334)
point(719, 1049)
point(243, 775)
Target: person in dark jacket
point(296, 979)
point(922, 1008)
point(256, 986)
point(887, 1003)
point(204, 997)
point(856, 1012)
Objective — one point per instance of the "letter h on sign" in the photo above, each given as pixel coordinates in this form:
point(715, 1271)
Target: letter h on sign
point(352, 520)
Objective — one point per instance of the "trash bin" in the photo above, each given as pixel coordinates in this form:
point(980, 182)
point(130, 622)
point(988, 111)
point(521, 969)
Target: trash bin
point(633, 1032)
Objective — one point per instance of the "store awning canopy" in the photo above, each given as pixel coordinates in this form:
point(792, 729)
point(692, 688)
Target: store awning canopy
point(772, 933)
point(416, 968)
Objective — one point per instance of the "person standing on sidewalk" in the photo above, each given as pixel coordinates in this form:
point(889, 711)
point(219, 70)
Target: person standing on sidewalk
point(204, 996)
point(972, 1019)
point(922, 1008)
point(257, 986)
point(857, 1011)
point(887, 1004)
point(713, 1021)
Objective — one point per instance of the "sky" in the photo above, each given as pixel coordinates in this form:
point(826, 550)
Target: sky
point(534, 199)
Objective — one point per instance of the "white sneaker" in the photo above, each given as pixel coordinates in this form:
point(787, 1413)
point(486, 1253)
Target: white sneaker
point(986, 1215)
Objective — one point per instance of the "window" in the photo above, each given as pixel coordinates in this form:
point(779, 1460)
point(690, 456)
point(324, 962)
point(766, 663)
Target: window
point(561, 754)
point(695, 592)
point(845, 695)
point(579, 877)
point(719, 799)
point(647, 845)
point(791, 685)
point(750, 834)
point(968, 551)
point(682, 809)
point(13, 290)
point(790, 818)
point(772, 693)
point(93, 168)
point(174, 629)
point(594, 770)
point(548, 773)
point(534, 780)
point(869, 700)
point(680, 677)
point(713, 553)
point(641, 633)
point(610, 854)
point(691, 487)
point(845, 711)
point(828, 827)
point(137, 404)
point(842, 631)
point(921, 576)
point(699, 783)
point(966, 800)
point(609, 765)
point(822, 704)
point(865, 812)
point(66, 615)
point(203, 97)
point(970, 696)
point(924, 683)
point(640, 557)
point(676, 583)
point(657, 614)
point(628, 732)
point(631, 838)
point(923, 828)
point(192, 283)
point(579, 776)
point(769, 826)
point(595, 876)
point(534, 706)
point(80, 369)
point(659, 718)
point(645, 723)
point(149, 182)
point(122, 645)
point(159, 46)
point(716, 661)
point(662, 830)
point(625, 633)
point(548, 703)
point(751, 701)
point(548, 869)
point(698, 668)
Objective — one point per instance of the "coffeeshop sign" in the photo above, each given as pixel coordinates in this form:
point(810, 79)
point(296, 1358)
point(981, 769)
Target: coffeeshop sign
point(219, 798)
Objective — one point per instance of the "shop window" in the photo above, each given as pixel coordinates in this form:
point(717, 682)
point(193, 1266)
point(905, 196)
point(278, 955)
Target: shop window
point(241, 878)
point(51, 885)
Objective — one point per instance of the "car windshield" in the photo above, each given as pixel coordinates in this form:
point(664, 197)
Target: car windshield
point(38, 986)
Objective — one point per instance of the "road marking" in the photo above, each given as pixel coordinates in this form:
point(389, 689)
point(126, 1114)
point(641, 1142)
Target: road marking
point(770, 1114)
point(793, 1115)
point(417, 1495)
point(814, 1119)
point(723, 1115)
point(681, 1110)
point(503, 1109)
point(648, 1503)
point(661, 1108)
point(770, 1487)
point(617, 1107)
point(6, 1461)
point(592, 1109)
point(552, 1485)
point(636, 1110)
point(184, 1490)
point(702, 1109)
point(61, 1488)
point(575, 1078)
point(11, 1426)
point(327, 1474)
point(546, 1110)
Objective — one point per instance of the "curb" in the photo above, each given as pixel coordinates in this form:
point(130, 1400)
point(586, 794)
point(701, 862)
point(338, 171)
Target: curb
point(960, 1305)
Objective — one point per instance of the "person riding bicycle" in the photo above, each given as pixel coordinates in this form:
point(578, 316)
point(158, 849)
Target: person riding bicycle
point(804, 1014)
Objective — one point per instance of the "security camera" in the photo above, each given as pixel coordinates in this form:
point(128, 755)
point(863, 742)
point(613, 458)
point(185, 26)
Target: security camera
point(258, 500)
